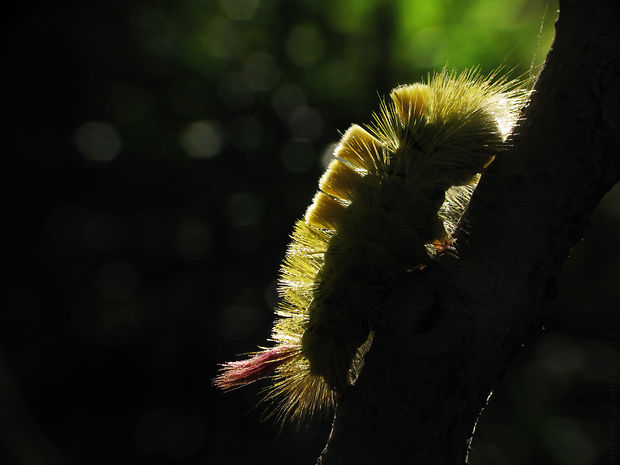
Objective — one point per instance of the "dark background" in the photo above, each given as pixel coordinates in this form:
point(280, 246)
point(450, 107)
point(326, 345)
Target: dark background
point(159, 155)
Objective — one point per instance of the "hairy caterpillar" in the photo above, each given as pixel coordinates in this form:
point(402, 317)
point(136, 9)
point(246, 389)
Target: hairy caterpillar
point(387, 204)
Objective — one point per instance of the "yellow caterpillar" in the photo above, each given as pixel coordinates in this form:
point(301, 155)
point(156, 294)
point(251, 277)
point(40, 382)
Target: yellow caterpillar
point(387, 204)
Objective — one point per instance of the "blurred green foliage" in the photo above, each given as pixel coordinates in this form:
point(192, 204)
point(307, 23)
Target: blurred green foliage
point(163, 152)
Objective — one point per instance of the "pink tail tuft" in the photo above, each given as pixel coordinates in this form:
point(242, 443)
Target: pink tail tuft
point(243, 372)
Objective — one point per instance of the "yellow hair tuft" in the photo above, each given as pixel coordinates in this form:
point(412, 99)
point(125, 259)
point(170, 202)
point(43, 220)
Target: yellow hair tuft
point(325, 212)
point(411, 101)
point(359, 147)
point(340, 180)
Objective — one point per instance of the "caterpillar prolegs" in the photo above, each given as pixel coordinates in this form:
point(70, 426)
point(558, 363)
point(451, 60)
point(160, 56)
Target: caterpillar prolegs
point(387, 204)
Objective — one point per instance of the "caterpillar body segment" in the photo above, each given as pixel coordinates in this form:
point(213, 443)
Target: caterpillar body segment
point(359, 148)
point(411, 101)
point(388, 203)
point(325, 212)
point(340, 180)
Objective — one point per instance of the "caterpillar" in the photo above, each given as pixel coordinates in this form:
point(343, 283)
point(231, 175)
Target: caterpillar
point(387, 205)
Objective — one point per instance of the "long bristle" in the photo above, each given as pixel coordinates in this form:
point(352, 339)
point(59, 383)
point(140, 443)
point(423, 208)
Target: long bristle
point(297, 394)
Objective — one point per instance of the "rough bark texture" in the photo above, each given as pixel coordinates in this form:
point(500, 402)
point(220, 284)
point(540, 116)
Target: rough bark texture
point(449, 334)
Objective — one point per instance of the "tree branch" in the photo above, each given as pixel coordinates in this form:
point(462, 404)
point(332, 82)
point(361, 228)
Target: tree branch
point(450, 333)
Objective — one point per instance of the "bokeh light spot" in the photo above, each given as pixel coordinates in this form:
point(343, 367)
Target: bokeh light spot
point(567, 441)
point(305, 45)
point(306, 123)
point(152, 31)
point(220, 38)
point(339, 73)
point(327, 155)
point(98, 141)
point(271, 294)
point(202, 139)
point(241, 10)
point(287, 99)
point(560, 355)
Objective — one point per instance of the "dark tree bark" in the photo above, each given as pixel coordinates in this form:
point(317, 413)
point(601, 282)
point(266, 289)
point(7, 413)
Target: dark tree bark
point(450, 333)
